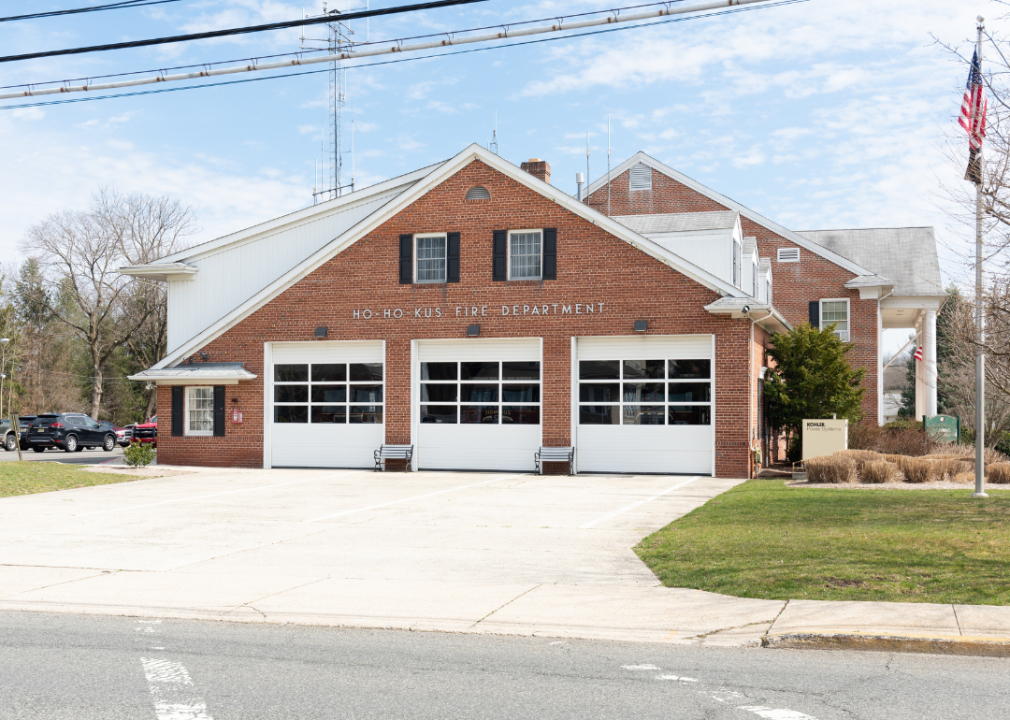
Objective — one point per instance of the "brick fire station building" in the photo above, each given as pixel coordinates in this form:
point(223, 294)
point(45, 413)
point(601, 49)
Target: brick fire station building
point(478, 313)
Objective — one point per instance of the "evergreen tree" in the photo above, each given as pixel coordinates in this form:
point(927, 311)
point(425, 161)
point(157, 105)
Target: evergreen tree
point(811, 378)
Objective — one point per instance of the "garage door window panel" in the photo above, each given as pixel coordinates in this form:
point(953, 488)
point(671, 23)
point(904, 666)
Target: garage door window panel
point(328, 398)
point(681, 395)
point(477, 392)
point(329, 373)
point(329, 414)
point(329, 393)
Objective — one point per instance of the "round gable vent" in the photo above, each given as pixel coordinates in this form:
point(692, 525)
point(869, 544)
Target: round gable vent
point(478, 192)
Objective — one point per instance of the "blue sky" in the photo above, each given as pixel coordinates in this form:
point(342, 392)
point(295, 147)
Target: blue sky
point(820, 114)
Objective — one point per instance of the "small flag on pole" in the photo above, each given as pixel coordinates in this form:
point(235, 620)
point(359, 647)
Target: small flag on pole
point(918, 354)
point(973, 111)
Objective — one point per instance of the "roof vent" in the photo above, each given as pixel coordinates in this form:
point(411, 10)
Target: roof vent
point(789, 254)
point(641, 177)
point(478, 192)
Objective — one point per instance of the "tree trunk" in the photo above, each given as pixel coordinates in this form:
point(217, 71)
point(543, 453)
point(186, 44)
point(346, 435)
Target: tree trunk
point(96, 388)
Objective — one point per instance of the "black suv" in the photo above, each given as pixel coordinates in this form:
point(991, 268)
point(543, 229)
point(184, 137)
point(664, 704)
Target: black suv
point(69, 431)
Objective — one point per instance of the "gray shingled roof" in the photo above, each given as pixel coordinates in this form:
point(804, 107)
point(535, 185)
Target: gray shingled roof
point(906, 256)
point(679, 222)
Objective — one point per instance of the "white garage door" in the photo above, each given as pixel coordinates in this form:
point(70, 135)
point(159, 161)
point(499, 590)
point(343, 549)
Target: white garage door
point(325, 403)
point(645, 404)
point(477, 404)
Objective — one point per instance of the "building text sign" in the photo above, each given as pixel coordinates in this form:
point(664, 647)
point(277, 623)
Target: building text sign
point(824, 437)
point(472, 311)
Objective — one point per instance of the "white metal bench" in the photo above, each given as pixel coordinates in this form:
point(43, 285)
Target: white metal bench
point(555, 454)
point(393, 452)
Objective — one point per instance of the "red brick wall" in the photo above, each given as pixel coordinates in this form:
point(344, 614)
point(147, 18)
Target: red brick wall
point(794, 285)
point(592, 267)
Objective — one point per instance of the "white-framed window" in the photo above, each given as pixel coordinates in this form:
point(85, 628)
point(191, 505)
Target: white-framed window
point(789, 254)
point(526, 254)
point(199, 411)
point(836, 312)
point(645, 392)
point(429, 258)
point(329, 393)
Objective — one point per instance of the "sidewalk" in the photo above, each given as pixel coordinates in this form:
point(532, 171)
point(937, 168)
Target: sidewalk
point(456, 552)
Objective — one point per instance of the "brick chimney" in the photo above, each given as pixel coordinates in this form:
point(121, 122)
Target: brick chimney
point(538, 168)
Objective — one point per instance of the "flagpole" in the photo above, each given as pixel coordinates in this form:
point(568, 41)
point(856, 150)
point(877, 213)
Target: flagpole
point(979, 317)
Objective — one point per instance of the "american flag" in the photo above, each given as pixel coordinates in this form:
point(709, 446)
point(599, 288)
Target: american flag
point(973, 110)
point(918, 354)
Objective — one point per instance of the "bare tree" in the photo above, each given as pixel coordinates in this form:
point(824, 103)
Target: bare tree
point(80, 253)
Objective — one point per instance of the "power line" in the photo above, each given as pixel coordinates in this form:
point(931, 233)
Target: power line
point(241, 31)
point(400, 60)
point(126, 4)
point(559, 24)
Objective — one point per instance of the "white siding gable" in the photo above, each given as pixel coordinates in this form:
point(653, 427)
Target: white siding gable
point(230, 276)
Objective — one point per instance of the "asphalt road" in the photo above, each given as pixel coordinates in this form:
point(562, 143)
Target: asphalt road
point(77, 667)
point(84, 457)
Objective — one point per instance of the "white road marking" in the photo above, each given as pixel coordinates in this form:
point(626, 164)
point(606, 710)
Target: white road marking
point(634, 505)
point(415, 497)
point(773, 714)
point(639, 667)
point(171, 688)
point(228, 492)
point(675, 677)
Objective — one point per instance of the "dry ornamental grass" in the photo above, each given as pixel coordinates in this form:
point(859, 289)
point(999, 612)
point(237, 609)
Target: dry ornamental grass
point(878, 472)
point(832, 469)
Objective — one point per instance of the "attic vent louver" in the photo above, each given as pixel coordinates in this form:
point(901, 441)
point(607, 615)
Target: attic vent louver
point(641, 177)
point(789, 255)
point(478, 192)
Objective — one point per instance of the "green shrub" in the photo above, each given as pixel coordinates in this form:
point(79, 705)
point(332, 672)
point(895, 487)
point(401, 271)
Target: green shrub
point(139, 454)
point(794, 453)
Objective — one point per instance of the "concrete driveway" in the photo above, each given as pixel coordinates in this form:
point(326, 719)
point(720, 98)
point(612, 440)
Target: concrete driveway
point(473, 552)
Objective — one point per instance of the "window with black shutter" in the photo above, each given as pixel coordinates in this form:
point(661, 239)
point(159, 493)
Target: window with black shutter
point(452, 258)
point(550, 254)
point(177, 404)
point(219, 411)
point(406, 259)
point(500, 266)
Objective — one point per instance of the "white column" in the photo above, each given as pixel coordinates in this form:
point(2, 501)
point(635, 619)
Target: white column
point(920, 388)
point(880, 365)
point(929, 360)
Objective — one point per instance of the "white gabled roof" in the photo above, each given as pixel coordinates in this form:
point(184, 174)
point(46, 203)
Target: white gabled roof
point(817, 249)
point(430, 178)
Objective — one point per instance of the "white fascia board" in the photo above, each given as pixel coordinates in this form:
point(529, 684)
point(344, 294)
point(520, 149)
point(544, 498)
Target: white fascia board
point(769, 318)
point(810, 245)
point(161, 271)
point(918, 302)
point(271, 226)
point(411, 195)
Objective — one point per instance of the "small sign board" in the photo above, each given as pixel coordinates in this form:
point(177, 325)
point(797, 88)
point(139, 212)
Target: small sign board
point(943, 428)
point(824, 437)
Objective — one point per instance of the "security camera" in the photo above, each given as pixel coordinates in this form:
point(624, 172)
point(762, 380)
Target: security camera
point(746, 309)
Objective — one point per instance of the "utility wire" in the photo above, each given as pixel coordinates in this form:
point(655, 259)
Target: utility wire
point(333, 17)
point(126, 4)
point(401, 60)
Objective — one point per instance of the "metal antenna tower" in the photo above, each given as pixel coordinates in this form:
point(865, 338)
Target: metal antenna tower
point(339, 38)
point(493, 145)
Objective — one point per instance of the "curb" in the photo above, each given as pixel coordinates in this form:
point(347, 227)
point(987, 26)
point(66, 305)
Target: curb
point(874, 642)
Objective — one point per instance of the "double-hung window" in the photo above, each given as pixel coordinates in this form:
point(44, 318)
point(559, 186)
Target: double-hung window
point(836, 312)
point(526, 251)
point(199, 411)
point(430, 258)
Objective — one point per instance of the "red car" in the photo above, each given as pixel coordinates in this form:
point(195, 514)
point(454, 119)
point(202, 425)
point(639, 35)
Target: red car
point(146, 432)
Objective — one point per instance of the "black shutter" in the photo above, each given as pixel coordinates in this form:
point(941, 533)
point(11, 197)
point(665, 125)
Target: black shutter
point(550, 254)
point(177, 403)
point(219, 411)
point(406, 259)
point(452, 258)
point(815, 313)
point(500, 242)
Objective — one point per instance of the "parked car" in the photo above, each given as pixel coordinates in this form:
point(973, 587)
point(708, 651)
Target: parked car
point(71, 432)
point(10, 438)
point(146, 433)
point(123, 434)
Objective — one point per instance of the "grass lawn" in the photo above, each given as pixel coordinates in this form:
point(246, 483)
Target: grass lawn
point(24, 478)
point(765, 540)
